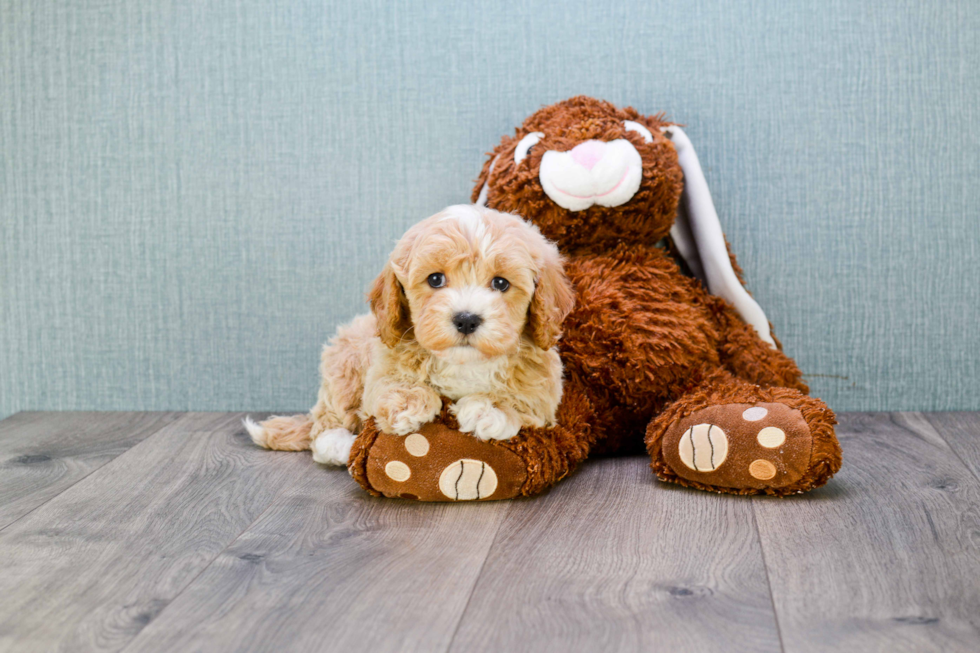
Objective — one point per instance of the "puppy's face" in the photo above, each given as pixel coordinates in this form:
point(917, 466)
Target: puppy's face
point(472, 281)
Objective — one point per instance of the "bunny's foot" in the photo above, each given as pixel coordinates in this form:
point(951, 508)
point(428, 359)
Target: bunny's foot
point(442, 463)
point(772, 441)
point(437, 463)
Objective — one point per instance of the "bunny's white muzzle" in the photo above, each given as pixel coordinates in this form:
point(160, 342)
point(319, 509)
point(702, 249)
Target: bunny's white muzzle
point(593, 172)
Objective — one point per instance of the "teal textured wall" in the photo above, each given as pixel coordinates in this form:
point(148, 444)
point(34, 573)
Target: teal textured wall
point(193, 194)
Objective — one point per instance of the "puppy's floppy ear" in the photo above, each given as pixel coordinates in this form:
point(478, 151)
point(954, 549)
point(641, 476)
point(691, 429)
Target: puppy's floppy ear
point(699, 239)
point(553, 300)
point(390, 307)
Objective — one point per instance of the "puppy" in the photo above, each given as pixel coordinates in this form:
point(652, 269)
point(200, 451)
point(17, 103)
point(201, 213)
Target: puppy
point(469, 307)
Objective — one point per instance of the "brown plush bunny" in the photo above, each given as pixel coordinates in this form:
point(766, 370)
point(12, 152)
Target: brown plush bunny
point(683, 359)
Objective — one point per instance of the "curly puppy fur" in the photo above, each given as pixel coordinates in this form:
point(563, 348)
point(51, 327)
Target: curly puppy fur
point(397, 363)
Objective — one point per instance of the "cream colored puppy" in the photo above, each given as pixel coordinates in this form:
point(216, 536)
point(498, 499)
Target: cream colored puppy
point(469, 307)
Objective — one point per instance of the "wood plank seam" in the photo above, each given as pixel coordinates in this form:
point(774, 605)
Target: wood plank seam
point(193, 580)
point(367, 555)
point(81, 478)
point(476, 579)
point(765, 566)
point(226, 424)
point(621, 575)
point(950, 445)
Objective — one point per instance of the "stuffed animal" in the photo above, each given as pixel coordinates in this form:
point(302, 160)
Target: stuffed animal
point(665, 347)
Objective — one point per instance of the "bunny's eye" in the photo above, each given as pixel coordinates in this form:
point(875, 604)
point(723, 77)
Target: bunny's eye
point(525, 145)
point(639, 129)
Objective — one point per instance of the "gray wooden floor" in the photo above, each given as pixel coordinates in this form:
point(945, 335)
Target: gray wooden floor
point(171, 532)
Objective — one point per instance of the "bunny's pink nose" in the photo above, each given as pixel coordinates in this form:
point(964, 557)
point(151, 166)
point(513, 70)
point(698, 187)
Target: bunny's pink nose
point(588, 154)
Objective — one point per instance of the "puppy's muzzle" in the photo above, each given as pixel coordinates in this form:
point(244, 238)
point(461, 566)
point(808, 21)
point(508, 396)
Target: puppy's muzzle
point(467, 323)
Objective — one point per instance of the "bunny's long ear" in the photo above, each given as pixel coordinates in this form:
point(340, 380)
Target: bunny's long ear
point(481, 199)
point(700, 241)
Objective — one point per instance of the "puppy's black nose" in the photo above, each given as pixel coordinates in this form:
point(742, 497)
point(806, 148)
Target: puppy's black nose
point(466, 323)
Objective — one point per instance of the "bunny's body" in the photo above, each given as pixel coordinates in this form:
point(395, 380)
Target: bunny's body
point(682, 360)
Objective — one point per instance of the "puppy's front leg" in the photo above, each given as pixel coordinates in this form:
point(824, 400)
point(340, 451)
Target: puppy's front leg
point(403, 409)
point(477, 414)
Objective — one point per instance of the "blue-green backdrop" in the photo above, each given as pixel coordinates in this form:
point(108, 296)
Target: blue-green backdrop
point(193, 194)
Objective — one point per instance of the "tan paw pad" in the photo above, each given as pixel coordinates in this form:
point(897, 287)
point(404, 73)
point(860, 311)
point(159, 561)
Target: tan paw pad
point(771, 437)
point(703, 447)
point(398, 471)
point(468, 480)
point(762, 445)
point(417, 445)
point(762, 469)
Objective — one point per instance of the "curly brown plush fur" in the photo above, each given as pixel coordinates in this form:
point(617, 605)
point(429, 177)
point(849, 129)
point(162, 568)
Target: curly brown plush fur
point(648, 351)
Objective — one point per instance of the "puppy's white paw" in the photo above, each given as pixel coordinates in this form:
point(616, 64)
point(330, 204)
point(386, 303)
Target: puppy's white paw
point(408, 421)
point(404, 410)
point(478, 415)
point(332, 447)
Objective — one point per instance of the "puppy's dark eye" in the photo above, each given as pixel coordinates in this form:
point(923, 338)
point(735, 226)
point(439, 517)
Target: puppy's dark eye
point(437, 280)
point(499, 283)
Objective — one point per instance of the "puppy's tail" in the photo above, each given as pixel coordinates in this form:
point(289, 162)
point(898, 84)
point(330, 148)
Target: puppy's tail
point(281, 433)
